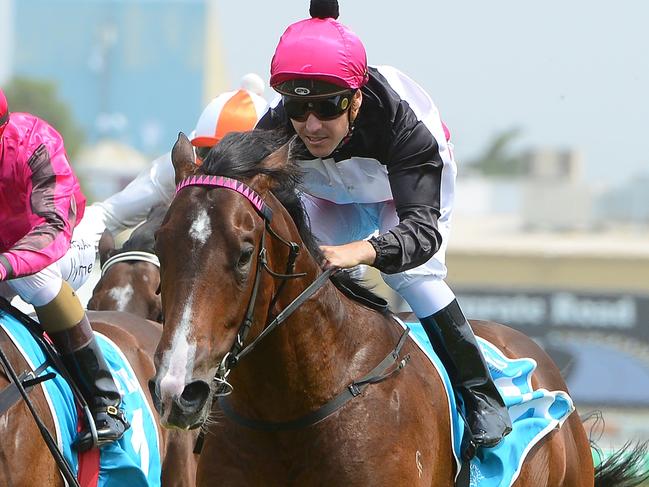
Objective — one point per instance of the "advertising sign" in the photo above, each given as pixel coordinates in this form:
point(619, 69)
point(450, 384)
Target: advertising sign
point(600, 341)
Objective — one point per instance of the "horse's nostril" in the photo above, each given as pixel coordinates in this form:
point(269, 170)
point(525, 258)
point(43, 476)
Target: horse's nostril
point(152, 388)
point(194, 395)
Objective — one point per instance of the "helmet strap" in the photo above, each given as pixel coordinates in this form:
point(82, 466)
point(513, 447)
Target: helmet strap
point(350, 130)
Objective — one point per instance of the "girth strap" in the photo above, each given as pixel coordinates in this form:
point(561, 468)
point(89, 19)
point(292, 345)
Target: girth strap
point(377, 374)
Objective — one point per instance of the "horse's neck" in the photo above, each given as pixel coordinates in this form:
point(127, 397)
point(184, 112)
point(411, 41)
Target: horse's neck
point(326, 343)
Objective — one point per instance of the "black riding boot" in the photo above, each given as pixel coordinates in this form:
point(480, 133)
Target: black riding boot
point(85, 361)
point(455, 344)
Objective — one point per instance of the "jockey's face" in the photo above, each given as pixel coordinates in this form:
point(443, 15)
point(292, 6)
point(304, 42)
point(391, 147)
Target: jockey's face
point(321, 137)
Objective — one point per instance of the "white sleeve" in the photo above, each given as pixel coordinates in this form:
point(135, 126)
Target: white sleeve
point(153, 186)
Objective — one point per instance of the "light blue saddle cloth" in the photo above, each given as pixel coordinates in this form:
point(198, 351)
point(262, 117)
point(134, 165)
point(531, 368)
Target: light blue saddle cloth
point(134, 460)
point(534, 413)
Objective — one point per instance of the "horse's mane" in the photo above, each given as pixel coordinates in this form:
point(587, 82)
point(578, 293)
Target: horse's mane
point(143, 237)
point(239, 155)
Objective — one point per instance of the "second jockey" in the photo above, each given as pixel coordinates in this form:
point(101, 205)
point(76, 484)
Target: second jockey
point(237, 110)
point(44, 258)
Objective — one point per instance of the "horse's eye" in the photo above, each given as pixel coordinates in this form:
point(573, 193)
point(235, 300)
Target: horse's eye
point(246, 255)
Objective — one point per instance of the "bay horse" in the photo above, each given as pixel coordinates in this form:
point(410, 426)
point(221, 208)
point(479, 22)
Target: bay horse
point(237, 261)
point(25, 460)
point(130, 275)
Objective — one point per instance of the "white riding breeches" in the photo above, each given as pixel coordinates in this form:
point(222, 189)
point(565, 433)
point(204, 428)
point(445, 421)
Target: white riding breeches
point(422, 287)
point(74, 267)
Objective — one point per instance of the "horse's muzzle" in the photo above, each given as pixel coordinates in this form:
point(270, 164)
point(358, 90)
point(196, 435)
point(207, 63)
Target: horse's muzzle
point(186, 411)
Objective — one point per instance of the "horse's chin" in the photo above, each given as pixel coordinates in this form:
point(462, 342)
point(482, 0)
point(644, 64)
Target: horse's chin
point(179, 419)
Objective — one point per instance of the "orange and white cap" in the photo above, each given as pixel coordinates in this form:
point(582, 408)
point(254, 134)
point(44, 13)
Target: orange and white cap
point(233, 111)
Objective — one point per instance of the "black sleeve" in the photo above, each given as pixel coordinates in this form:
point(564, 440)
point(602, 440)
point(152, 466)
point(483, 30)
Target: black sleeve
point(273, 118)
point(415, 173)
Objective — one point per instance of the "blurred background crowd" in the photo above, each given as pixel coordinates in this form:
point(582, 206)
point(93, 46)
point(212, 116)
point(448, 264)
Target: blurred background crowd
point(545, 102)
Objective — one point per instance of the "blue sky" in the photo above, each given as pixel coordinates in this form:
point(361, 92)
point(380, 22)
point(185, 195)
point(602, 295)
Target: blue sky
point(569, 74)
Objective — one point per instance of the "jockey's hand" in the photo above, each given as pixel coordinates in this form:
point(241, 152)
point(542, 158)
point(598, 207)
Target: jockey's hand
point(348, 255)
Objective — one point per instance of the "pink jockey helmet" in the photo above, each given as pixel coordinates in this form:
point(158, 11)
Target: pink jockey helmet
point(320, 49)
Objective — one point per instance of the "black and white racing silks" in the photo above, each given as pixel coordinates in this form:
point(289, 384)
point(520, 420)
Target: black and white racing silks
point(398, 151)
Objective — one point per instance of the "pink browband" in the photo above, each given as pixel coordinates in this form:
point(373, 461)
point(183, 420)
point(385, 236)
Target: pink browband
point(229, 183)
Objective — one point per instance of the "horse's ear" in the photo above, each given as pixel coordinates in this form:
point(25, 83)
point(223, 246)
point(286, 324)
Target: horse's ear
point(275, 161)
point(182, 157)
point(279, 158)
point(106, 245)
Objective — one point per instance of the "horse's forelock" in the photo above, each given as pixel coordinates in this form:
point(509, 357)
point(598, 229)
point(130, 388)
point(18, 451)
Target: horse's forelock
point(265, 157)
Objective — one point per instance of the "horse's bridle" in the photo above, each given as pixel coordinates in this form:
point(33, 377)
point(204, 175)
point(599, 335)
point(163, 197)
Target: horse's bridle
point(238, 349)
point(389, 366)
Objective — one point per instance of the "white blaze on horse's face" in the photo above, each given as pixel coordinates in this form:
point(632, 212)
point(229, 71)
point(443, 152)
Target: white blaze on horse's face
point(122, 296)
point(178, 361)
point(201, 227)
